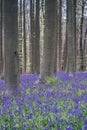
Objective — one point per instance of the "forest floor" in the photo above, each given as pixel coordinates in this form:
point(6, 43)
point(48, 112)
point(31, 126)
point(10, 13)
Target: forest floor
point(60, 104)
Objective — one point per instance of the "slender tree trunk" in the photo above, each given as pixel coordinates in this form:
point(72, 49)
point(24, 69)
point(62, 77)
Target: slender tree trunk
point(20, 29)
point(1, 58)
point(49, 39)
point(11, 44)
point(75, 35)
point(1, 42)
point(70, 37)
point(65, 52)
point(56, 44)
point(60, 35)
point(37, 39)
point(81, 37)
point(84, 49)
point(42, 19)
point(32, 36)
point(24, 34)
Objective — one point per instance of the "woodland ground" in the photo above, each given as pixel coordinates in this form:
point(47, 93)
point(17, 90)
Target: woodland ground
point(60, 104)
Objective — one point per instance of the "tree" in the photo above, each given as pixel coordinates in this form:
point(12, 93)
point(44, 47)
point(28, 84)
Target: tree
point(47, 68)
point(20, 33)
point(65, 52)
point(81, 36)
point(32, 38)
point(85, 48)
point(37, 38)
point(60, 35)
point(11, 44)
point(56, 44)
point(1, 58)
point(70, 36)
point(74, 21)
point(24, 35)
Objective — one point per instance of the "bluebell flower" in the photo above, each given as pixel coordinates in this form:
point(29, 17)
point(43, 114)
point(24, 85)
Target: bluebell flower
point(85, 127)
point(55, 110)
point(85, 121)
point(69, 128)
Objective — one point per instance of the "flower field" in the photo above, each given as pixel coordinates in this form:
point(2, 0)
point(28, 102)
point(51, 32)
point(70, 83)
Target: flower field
point(60, 104)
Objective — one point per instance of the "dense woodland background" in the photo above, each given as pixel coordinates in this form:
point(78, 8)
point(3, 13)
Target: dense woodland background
point(42, 36)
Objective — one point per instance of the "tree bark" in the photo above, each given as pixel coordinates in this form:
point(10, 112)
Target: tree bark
point(32, 39)
point(60, 35)
point(56, 44)
point(49, 39)
point(70, 37)
point(84, 49)
point(75, 35)
point(65, 52)
point(20, 31)
point(1, 57)
point(37, 39)
point(11, 44)
point(81, 37)
point(24, 35)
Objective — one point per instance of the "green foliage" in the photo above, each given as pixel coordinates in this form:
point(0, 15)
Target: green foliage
point(52, 80)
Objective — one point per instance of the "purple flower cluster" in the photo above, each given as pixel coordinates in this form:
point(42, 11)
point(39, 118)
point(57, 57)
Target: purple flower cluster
point(45, 106)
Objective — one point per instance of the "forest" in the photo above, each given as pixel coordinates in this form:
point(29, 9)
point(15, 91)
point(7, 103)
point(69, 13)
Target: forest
point(43, 64)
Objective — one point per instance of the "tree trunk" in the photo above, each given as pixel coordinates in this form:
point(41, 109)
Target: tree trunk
point(49, 39)
point(65, 52)
point(85, 48)
point(20, 31)
point(70, 37)
point(81, 37)
point(24, 35)
point(1, 57)
point(75, 35)
point(60, 35)
point(32, 36)
point(56, 44)
point(11, 44)
point(37, 39)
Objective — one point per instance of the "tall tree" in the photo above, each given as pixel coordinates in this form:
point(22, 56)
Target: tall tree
point(64, 56)
point(20, 32)
point(24, 34)
point(60, 35)
point(37, 38)
point(56, 44)
point(74, 21)
point(1, 58)
point(32, 36)
point(85, 48)
point(49, 39)
point(70, 36)
point(11, 44)
point(81, 36)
